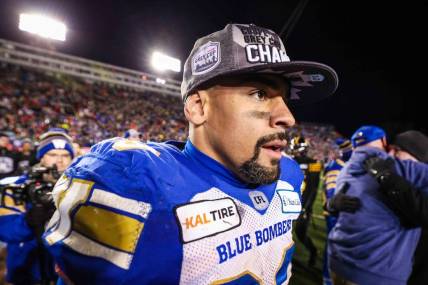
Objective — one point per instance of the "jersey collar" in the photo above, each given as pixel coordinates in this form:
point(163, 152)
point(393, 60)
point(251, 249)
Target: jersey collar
point(222, 172)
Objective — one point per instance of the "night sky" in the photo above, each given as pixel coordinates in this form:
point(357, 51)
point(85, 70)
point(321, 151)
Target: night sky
point(374, 47)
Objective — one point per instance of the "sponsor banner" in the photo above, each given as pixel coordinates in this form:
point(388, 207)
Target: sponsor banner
point(290, 201)
point(202, 219)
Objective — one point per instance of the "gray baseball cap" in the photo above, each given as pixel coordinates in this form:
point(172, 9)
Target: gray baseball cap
point(248, 49)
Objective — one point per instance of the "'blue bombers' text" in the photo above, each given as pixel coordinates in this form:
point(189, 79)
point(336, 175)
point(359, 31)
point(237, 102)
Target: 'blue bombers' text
point(243, 243)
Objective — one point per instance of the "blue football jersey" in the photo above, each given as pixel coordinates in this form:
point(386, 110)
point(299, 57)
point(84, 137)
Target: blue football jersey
point(157, 213)
point(331, 171)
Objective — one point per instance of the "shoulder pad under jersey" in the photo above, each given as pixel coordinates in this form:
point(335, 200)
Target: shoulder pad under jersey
point(122, 163)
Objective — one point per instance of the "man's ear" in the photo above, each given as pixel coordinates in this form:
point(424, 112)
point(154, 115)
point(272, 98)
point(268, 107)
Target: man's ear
point(195, 108)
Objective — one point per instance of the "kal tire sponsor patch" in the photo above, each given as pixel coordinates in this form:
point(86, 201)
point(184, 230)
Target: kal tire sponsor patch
point(206, 218)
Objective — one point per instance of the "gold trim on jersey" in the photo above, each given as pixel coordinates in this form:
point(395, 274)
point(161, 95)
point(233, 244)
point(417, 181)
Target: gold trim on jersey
point(7, 212)
point(315, 167)
point(332, 173)
point(246, 272)
point(10, 203)
point(340, 162)
point(125, 144)
point(107, 227)
point(330, 179)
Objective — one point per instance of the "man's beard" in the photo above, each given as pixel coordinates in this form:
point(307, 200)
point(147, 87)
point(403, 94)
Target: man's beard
point(254, 173)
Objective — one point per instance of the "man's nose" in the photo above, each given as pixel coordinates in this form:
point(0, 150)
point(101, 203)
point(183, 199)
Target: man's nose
point(281, 115)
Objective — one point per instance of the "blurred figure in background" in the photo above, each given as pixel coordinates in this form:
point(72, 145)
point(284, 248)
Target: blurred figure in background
point(8, 157)
point(331, 172)
point(28, 155)
point(311, 169)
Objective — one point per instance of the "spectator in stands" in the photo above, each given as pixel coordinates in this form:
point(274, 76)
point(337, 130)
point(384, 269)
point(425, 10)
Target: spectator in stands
point(8, 157)
point(21, 225)
point(370, 246)
point(83, 108)
point(28, 155)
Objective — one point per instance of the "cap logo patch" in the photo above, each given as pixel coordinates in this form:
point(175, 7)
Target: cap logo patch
point(206, 58)
point(59, 144)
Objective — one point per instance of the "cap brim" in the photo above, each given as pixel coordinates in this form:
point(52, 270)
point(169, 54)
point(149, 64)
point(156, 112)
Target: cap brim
point(310, 81)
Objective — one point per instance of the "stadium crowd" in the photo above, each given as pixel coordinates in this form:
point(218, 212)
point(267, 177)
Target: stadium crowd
point(31, 102)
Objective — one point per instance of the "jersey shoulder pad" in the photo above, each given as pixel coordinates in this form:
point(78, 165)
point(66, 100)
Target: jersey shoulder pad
point(120, 162)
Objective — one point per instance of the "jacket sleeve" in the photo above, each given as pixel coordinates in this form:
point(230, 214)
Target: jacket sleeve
point(414, 172)
point(405, 200)
point(13, 226)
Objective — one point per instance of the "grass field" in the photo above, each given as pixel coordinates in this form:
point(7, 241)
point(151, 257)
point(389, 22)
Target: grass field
point(302, 274)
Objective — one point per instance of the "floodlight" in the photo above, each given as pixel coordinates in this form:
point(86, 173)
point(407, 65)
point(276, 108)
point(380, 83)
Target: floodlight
point(42, 26)
point(160, 80)
point(164, 62)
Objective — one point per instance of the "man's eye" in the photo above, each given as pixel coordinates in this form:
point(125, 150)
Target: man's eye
point(260, 95)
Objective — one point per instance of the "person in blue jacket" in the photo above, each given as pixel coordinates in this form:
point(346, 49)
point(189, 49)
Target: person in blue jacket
point(21, 224)
point(217, 209)
point(370, 246)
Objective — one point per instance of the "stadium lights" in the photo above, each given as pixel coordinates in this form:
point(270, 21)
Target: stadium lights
point(164, 62)
point(160, 80)
point(42, 26)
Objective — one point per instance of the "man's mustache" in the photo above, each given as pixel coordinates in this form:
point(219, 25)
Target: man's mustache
point(268, 138)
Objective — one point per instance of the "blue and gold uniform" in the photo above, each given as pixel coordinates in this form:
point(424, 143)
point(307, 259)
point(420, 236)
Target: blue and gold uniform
point(331, 172)
point(165, 213)
point(23, 259)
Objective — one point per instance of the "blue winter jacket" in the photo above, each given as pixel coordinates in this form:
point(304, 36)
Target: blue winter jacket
point(370, 246)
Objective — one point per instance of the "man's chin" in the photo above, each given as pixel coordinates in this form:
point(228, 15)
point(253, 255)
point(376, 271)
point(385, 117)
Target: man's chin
point(268, 163)
point(254, 173)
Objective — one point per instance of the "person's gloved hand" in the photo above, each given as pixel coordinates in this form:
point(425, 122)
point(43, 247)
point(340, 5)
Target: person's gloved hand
point(379, 168)
point(37, 216)
point(345, 203)
point(341, 202)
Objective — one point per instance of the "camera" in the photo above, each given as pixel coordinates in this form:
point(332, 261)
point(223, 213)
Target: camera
point(36, 189)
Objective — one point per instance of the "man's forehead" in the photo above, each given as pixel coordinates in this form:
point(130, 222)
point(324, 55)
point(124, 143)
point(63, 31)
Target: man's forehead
point(270, 80)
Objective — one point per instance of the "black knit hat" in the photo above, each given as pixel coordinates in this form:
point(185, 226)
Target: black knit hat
point(415, 143)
